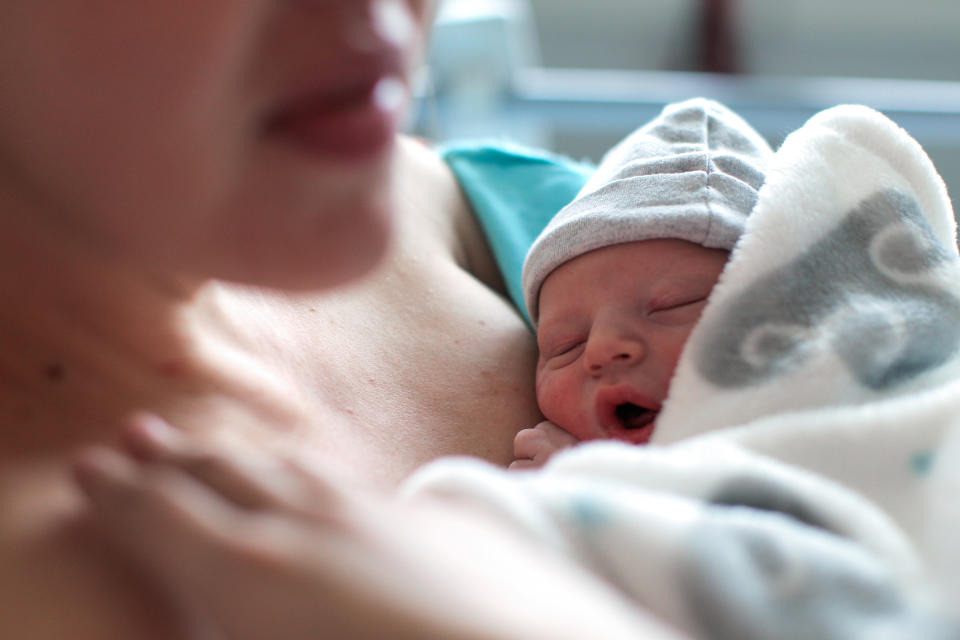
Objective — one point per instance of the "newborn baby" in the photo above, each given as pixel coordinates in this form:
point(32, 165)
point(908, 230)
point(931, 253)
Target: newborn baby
point(616, 282)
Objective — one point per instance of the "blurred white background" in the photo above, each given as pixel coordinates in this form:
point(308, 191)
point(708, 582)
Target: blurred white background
point(574, 76)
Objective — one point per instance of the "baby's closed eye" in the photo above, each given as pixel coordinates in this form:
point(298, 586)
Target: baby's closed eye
point(563, 353)
point(684, 311)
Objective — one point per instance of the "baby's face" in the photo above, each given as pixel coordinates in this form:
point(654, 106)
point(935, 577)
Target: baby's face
point(612, 325)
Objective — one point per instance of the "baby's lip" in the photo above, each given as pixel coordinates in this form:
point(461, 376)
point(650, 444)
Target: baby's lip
point(626, 414)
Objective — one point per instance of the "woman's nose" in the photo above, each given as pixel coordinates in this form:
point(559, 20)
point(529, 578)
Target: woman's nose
point(610, 349)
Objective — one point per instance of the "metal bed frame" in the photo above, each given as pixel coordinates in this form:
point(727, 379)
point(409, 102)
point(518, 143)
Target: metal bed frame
point(484, 68)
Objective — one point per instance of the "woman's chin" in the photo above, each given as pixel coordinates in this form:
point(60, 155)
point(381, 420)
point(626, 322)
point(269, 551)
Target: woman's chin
point(338, 261)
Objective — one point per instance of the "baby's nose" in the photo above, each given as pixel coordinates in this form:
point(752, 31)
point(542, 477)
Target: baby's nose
point(612, 350)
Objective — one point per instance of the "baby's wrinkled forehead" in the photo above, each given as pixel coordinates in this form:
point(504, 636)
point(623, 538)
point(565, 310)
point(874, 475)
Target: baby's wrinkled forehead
point(645, 271)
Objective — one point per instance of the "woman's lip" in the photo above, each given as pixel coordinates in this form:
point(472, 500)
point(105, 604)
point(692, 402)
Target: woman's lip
point(353, 123)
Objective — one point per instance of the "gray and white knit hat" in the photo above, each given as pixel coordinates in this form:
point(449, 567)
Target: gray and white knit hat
point(692, 173)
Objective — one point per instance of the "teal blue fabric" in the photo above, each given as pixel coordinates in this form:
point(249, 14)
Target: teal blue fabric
point(514, 191)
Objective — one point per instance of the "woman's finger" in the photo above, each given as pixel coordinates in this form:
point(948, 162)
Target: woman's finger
point(224, 565)
point(248, 481)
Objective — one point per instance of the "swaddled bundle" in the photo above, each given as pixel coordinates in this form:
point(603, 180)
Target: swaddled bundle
point(803, 472)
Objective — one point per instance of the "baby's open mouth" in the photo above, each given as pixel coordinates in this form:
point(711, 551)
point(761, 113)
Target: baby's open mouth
point(624, 413)
point(632, 416)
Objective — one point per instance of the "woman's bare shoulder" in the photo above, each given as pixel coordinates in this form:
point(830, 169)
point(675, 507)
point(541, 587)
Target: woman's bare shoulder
point(429, 191)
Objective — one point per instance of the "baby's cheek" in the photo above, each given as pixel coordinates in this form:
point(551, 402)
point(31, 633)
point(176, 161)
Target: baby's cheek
point(548, 396)
point(560, 399)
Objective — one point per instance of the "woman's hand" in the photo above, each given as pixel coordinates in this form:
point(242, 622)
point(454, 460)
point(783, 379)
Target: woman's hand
point(533, 447)
point(266, 548)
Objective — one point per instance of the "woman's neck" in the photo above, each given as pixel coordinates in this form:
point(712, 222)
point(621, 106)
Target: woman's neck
point(85, 339)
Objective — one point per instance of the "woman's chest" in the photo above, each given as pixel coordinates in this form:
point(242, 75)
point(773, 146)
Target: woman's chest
point(410, 372)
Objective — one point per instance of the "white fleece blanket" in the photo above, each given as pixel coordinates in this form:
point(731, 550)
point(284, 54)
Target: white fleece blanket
point(804, 478)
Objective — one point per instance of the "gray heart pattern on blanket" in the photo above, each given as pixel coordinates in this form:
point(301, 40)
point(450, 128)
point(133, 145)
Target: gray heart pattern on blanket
point(750, 577)
point(764, 564)
point(866, 291)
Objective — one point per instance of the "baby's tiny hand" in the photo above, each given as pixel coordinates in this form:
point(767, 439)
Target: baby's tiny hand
point(533, 447)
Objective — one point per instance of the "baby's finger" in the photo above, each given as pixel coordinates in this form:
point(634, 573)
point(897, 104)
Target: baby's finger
point(527, 443)
point(556, 437)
